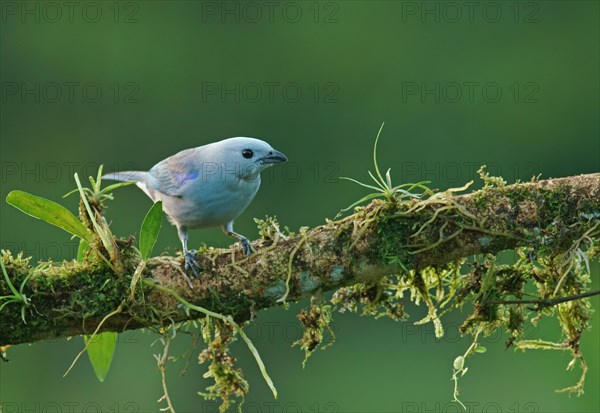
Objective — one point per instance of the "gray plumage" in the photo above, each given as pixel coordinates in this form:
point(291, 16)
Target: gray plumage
point(207, 186)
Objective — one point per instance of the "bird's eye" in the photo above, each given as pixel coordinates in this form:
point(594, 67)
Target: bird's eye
point(247, 153)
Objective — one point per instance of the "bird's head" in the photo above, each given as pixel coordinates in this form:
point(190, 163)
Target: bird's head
point(248, 156)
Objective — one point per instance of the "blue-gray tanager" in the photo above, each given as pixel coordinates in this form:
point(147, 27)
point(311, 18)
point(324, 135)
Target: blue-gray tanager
point(207, 186)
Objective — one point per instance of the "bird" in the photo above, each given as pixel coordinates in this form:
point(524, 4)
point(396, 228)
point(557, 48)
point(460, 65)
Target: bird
point(207, 186)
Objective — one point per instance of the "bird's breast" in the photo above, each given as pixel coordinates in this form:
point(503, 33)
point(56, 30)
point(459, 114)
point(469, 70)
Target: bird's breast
point(211, 204)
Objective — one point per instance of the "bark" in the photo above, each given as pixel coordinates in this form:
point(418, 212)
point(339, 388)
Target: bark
point(384, 237)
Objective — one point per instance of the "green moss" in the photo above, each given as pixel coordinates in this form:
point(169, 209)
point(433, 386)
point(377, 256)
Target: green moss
point(386, 234)
point(316, 322)
point(229, 382)
point(393, 240)
point(372, 300)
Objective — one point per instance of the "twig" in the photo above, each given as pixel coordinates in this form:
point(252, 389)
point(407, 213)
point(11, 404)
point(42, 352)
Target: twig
point(290, 269)
point(546, 302)
point(161, 362)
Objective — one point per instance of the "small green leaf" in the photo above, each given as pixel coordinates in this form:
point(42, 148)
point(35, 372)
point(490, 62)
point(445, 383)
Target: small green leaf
point(105, 236)
point(9, 283)
point(480, 349)
point(150, 229)
point(117, 185)
point(74, 191)
point(459, 363)
point(49, 211)
point(100, 351)
point(81, 251)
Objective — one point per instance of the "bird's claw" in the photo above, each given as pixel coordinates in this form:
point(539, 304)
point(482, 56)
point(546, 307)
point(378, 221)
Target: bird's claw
point(246, 247)
point(191, 263)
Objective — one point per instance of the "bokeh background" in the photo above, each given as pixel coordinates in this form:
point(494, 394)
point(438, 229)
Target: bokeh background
point(513, 85)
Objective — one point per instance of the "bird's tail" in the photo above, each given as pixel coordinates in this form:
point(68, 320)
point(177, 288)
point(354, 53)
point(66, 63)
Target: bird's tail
point(140, 178)
point(126, 176)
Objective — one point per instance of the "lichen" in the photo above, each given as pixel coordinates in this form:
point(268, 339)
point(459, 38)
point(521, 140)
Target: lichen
point(337, 273)
point(308, 282)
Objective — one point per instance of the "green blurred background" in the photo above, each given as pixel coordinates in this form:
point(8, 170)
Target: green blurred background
point(511, 85)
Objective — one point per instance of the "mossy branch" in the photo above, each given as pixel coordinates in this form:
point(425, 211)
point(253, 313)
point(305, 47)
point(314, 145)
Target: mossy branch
point(550, 217)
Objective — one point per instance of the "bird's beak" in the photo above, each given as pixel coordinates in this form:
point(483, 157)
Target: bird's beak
point(274, 157)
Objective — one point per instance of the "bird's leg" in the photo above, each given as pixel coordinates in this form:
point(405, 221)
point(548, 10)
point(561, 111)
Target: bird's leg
point(189, 256)
point(246, 247)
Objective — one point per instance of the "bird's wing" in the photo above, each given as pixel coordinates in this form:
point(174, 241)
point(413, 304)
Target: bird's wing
point(175, 173)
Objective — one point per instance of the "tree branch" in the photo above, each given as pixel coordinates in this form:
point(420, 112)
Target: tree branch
point(380, 239)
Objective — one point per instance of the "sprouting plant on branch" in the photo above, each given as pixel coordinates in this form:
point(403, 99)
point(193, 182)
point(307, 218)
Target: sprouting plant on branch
point(383, 187)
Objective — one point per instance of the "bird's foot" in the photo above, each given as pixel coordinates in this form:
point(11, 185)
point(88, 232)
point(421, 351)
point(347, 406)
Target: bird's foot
point(246, 247)
point(191, 263)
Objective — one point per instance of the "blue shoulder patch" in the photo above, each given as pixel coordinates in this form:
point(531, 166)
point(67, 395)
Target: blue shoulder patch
point(182, 178)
